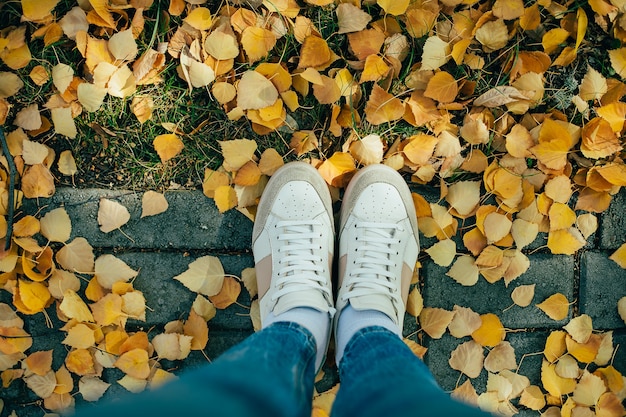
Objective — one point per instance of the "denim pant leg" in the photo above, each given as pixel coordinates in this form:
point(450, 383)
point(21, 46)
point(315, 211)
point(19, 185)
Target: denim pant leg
point(270, 373)
point(381, 376)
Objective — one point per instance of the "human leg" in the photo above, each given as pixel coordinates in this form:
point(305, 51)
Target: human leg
point(270, 374)
point(380, 375)
point(378, 248)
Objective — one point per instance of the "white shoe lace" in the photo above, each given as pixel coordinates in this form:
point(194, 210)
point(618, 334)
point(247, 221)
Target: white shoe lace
point(373, 271)
point(301, 268)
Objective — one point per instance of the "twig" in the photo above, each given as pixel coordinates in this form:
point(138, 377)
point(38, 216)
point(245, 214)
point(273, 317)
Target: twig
point(12, 172)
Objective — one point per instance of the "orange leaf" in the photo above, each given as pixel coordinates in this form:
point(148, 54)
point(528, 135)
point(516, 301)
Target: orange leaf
point(314, 52)
point(80, 362)
point(228, 294)
point(196, 327)
point(383, 107)
point(442, 87)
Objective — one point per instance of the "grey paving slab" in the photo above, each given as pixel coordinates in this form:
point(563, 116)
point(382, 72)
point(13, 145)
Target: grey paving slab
point(613, 223)
point(167, 299)
point(602, 284)
point(526, 344)
point(549, 273)
point(191, 222)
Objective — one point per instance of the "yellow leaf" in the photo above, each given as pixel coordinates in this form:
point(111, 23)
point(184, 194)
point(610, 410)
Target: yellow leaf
point(168, 146)
point(556, 306)
point(468, 358)
point(434, 321)
point(593, 85)
point(533, 398)
point(225, 198)
point(609, 405)
point(580, 328)
point(442, 87)
point(134, 363)
point(508, 9)
point(368, 150)
point(237, 152)
point(172, 346)
point(621, 308)
point(205, 275)
point(110, 270)
point(92, 388)
point(257, 42)
point(35, 10)
point(555, 346)
point(270, 161)
point(491, 332)
point(64, 122)
point(111, 215)
point(80, 336)
point(464, 197)
point(415, 302)
point(584, 352)
point(561, 216)
point(153, 203)
point(65, 383)
point(436, 52)
point(14, 340)
point(108, 310)
point(76, 256)
point(464, 271)
point(565, 241)
point(553, 383)
point(31, 297)
point(42, 385)
point(375, 68)
point(553, 39)
point(122, 45)
point(199, 18)
point(589, 389)
point(10, 84)
point(66, 163)
point(500, 358)
point(442, 252)
point(465, 322)
point(337, 168)
point(56, 225)
point(142, 106)
point(393, 7)
point(493, 35)
point(523, 295)
point(496, 227)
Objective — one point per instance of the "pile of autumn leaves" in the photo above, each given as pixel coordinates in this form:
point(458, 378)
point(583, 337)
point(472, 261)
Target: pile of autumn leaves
point(95, 324)
point(225, 53)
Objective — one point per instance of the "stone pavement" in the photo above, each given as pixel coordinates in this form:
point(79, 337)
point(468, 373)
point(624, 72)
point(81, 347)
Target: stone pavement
point(162, 246)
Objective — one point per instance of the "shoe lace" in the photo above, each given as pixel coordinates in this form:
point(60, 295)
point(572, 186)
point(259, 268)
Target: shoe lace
point(302, 267)
point(374, 268)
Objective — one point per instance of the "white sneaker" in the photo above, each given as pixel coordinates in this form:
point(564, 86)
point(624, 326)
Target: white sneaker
point(293, 242)
point(378, 243)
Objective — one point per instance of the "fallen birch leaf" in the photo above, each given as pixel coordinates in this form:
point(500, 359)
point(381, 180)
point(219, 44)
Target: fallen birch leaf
point(111, 215)
point(153, 203)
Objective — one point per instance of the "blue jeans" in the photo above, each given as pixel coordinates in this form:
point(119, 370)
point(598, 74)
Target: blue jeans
point(271, 374)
